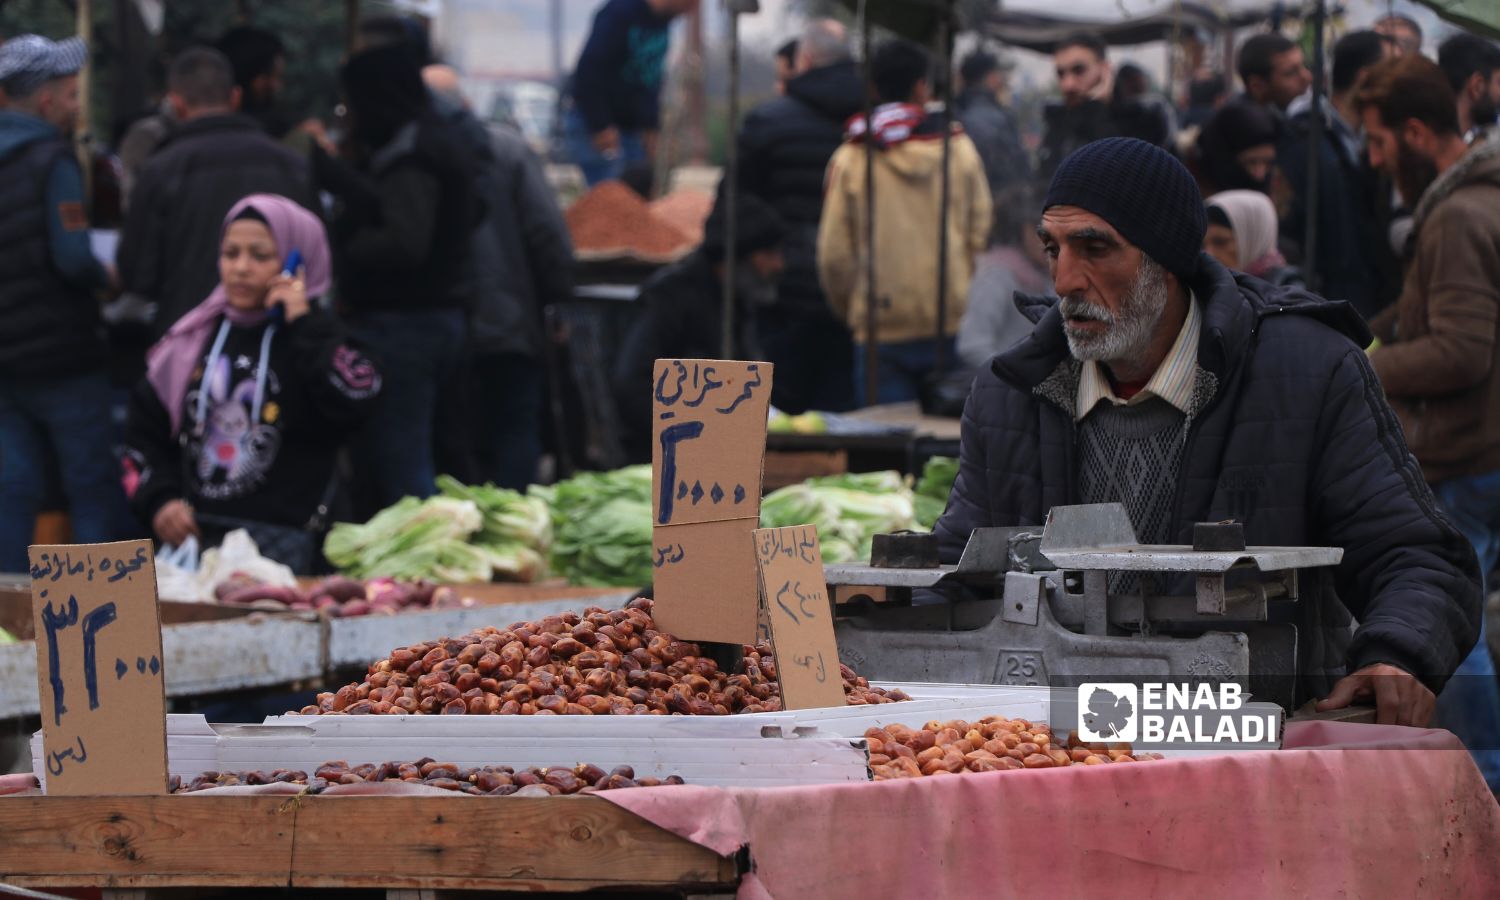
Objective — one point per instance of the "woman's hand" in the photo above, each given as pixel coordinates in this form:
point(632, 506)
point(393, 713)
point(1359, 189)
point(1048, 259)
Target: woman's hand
point(290, 293)
point(174, 522)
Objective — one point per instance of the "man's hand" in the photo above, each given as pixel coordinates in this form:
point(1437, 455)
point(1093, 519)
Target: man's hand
point(174, 522)
point(1400, 699)
point(607, 141)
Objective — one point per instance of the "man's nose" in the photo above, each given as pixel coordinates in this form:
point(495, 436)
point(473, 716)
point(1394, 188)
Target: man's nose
point(1068, 276)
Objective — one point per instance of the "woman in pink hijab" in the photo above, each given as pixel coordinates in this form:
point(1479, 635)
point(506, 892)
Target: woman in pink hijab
point(248, 397)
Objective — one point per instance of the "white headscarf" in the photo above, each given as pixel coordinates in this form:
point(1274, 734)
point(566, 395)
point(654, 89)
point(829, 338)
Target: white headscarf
point(1252, 217)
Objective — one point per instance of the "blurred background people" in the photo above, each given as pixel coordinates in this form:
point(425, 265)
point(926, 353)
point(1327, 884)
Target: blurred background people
point(250, 395)
point(682, 309)
point(259, 61)
point(404, 215)
point(1404, 30)
point(1013, 263)
point(54, 390)
point(1438, 356)
point(522, 262)
point(784, 148)
point(1472, 65)
point(616, 86)
point(1236, 149)
point(785, 62)
point(1272, 70)
point(1242, 236)
point(215, 156)
point(908, 162)
point(1346, 266)
point(982, 111)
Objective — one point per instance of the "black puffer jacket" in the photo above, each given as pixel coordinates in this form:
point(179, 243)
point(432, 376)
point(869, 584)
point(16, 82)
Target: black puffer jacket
point(784, 147)
point(169, 249)
point(1291, 435)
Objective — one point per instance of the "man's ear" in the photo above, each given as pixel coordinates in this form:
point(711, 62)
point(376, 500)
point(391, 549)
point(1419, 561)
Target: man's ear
point(1416, 134)
point(236, 96)
point(1476, 87)
point(178, 104)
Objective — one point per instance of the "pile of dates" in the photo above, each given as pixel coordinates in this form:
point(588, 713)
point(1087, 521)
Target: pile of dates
point(598, 663)
point(992, 744)
point(491, 781)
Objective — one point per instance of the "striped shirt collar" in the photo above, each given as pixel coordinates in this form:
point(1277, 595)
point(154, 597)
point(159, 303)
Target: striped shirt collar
point(1173, 381)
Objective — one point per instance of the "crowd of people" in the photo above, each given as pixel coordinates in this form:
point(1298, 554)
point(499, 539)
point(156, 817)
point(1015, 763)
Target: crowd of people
point(284, 296)
point(287, 292)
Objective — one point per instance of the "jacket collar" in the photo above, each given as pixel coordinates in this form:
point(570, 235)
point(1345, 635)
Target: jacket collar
point(1452, 180)
point(1233, 306)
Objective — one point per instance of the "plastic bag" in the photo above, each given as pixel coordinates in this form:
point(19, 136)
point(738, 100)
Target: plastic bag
point(177, 572)
point(238, 555)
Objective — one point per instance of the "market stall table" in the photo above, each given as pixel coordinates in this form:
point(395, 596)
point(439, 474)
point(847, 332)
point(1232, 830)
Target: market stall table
point(891, 436)
point(1348, 810)
point(212, 649)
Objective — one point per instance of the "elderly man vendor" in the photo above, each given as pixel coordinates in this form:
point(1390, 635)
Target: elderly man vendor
point(1189, 393)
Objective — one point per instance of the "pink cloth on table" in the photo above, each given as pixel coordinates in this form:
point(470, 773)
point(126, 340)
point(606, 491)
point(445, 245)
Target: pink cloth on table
point(23, 783)
point(1345, 810)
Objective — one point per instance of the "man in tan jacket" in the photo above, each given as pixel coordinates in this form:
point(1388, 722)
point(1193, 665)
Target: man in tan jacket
point(1438, 345)
point(908, 196)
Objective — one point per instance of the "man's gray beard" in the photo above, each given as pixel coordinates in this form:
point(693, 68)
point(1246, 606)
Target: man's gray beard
point(1127, 334)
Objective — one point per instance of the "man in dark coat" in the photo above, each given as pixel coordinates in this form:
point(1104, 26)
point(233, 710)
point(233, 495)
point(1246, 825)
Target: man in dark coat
point(682, 310)
point(405, 211)
point(169, 249)
point(1187, 393)
point(54, 392)
point(992, 126)
point(784, 149)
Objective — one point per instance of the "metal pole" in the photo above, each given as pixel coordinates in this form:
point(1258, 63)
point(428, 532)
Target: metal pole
point(872, 349)
point(557, 43)
point(945, 37)
point(82, 133)
point(1314, 153)
point(731, 178)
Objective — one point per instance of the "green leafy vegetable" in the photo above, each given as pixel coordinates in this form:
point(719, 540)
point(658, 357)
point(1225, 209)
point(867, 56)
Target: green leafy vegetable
point(602, 526)
point(933, 488)
point(6, 637)
point(848, 510)
point(463, 534)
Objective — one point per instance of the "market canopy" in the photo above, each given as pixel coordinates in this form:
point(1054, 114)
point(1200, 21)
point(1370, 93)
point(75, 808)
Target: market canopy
point(1479, 16)
point(1036, 24)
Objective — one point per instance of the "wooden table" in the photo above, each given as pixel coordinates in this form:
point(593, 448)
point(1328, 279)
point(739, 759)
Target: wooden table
point(400, 844)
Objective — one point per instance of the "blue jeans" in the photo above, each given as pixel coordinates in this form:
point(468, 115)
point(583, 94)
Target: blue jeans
point(419, 354)
point(69, 418)
point(596, 166)
point(904, 367)
point(509, 389)
point(1470, 704)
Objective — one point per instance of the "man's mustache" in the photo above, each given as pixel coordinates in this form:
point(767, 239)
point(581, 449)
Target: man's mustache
point(1079, 308)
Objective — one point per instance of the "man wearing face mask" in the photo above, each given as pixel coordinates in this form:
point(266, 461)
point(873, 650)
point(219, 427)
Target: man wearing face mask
point(1439, 342)
point(1188, 393)
point(682, 309)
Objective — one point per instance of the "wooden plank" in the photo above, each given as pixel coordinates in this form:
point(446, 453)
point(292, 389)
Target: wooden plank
point(514, 843)
point(146, 841)
point(418, 843)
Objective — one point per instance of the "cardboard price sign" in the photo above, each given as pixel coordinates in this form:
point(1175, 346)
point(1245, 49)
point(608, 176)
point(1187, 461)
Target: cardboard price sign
point(707, 451)
point(799, 616)
point(99, 667)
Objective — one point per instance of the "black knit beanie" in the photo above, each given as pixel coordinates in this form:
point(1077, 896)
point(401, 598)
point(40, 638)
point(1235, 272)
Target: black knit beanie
point(1143, 192)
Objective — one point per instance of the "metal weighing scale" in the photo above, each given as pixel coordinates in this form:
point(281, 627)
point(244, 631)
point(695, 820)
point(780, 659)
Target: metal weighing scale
point(1082, 601)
